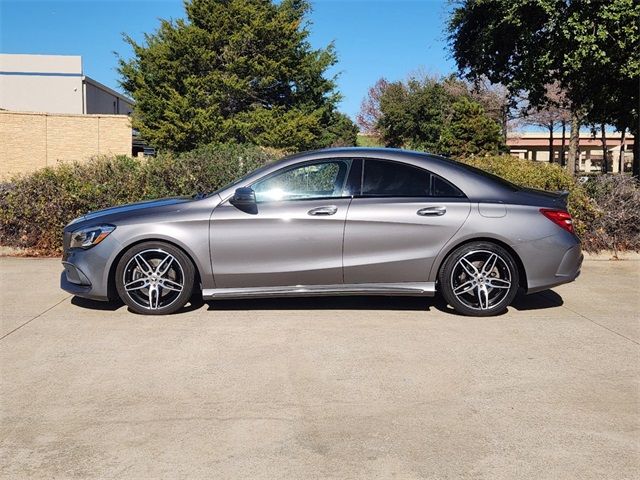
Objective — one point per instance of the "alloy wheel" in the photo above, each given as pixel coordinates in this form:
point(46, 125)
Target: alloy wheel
point(153, 279)
point(481, 279)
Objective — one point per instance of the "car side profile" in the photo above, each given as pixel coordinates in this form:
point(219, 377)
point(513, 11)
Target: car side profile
point(348, 221)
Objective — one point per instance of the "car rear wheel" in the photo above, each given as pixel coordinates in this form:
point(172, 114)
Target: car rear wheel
point(155, 278)
point(479, 279)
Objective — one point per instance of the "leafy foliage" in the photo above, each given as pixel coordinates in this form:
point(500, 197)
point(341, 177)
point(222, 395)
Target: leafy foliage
point(588, 48)
point(234, 70)
point(35, 208)
point(438, 116)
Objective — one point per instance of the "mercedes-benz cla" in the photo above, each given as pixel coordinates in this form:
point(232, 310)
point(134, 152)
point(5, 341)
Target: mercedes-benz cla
point(331, 222)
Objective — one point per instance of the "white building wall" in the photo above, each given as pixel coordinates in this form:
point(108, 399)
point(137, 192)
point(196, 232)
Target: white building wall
point(41, 83)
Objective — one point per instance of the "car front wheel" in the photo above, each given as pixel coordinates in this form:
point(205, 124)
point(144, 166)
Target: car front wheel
point(479, 279)
point(155, 278)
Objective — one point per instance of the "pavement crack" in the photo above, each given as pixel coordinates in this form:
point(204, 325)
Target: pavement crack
point(603, 326)
point(37, 316)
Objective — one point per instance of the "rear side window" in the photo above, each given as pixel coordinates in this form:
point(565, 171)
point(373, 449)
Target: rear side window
point(441, 188)
point(392, 179)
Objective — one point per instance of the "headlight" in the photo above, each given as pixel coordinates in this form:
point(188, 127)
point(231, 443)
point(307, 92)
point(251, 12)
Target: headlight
point(90, 236)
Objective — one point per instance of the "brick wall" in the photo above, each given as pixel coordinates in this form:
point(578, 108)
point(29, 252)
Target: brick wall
point(29, 141)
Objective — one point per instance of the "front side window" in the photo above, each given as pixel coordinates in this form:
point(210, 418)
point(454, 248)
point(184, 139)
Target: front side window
point(311, 180)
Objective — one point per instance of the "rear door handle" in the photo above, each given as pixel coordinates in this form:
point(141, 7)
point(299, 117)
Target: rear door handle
point(432, 211)
point(328, 210)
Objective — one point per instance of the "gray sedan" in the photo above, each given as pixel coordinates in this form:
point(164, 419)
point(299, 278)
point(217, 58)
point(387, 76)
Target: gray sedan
point(332, 222)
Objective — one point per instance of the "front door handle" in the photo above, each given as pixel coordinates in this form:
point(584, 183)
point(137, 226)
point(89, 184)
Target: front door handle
point(328, 210)
point(432, 211)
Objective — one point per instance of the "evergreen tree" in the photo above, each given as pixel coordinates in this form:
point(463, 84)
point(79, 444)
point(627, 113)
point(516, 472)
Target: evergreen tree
point(233, 71)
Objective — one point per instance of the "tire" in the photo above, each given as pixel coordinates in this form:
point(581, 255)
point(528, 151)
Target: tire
point(479, 279)
point(155, 278)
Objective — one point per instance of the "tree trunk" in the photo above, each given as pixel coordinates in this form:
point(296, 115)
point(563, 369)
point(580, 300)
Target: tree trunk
point(622, 149)
point(605, 159)
point(563, 153)
point(504, 113)
point(550, 142)
point(635, 131)
point(574, 143)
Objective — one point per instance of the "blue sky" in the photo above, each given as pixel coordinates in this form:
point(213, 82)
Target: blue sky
point(389, 38)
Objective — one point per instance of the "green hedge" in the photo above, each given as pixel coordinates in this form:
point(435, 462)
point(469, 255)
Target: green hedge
point(35, 208)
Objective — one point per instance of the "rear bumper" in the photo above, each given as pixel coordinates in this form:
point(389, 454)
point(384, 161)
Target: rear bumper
point(550, 261)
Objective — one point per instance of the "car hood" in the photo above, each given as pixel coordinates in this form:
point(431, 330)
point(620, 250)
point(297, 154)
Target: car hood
point(130, 207)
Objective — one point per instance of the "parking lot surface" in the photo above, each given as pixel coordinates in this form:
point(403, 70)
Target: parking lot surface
point(321, 388)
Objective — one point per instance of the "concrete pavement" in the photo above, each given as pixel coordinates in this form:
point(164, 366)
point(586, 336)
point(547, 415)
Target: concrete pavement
point(321, 388)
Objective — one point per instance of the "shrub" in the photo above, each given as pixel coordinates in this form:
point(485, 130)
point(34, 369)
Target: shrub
point(35, 208)
point(543, 176)
point(617, 226)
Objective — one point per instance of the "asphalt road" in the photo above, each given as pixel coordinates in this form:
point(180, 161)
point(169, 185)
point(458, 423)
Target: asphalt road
point(321, 388)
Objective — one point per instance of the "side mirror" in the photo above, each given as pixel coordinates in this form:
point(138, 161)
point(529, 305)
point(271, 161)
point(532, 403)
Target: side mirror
point(244, 199)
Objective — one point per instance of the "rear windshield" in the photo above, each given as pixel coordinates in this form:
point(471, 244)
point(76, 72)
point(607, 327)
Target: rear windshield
point(505, 183)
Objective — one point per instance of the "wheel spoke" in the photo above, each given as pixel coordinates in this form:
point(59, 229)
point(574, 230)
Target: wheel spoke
point(464, 288)
point(163, 266)
point(490, 264)
point(136, 284)
point(143, 264)
point(154, 297)
point(469, 267)
point(498, 283)
point(170, 285)
point(483, 297)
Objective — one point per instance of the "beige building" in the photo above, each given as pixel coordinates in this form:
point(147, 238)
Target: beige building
point(535, 146)
point(51, 112)
point(29, 141)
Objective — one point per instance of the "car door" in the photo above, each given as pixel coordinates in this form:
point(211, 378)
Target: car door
point(294, 238)
point(398, 224)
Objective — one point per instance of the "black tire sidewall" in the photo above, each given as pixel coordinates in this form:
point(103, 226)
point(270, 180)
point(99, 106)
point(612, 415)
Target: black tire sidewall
point(447, 269)
point(187, 268)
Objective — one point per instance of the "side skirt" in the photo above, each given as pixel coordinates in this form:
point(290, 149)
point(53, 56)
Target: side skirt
point(426, 289)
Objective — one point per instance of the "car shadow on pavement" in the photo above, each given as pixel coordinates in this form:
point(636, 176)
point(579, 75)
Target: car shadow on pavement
point(328, 303)
point(536, 301)
point(112, 305)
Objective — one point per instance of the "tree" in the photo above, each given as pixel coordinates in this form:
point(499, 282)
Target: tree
point(590, 48)
point(436, 115)
point(370, 113)
point(342, 132)
point(233, 71)
point(413, 113)
point(555, 113)
point(470, 131)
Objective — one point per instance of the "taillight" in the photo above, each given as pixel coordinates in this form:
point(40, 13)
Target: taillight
point(561, 218)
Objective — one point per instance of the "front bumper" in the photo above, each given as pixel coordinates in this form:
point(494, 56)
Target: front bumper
point(86, 272)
